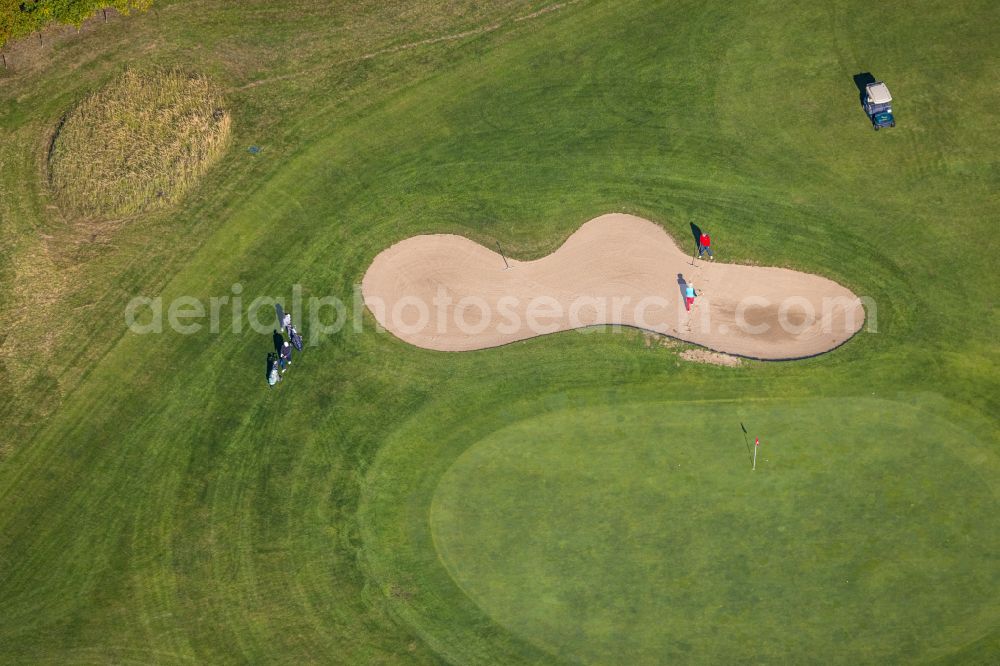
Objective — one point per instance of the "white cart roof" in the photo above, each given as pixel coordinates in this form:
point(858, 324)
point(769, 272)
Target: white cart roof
point(878, 93)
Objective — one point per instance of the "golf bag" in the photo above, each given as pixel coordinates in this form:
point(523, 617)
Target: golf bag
point(273, 376)
point(294, 337)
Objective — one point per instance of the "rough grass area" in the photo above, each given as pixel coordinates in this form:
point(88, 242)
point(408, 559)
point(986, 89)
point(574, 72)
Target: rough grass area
point(140, 142)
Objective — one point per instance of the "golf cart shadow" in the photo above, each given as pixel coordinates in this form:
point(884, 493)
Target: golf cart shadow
point(861, 81)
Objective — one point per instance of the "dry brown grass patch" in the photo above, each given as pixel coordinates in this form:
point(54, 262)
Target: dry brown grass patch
point(710, 357)
point(138, 143)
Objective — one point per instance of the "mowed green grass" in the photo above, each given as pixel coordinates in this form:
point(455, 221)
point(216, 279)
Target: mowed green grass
point(639, 531)
point(159, 504)
point(597, 525)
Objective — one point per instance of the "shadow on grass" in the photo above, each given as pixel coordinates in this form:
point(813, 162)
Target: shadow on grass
point(696, 232)
point(861, 80)
point(746, 441)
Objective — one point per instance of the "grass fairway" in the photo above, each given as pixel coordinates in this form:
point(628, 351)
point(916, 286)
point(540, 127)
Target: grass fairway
point(387, 504)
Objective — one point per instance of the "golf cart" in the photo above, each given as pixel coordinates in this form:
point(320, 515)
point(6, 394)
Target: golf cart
point(878, 105)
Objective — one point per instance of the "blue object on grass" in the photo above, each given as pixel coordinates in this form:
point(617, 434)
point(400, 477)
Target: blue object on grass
point(253, 150)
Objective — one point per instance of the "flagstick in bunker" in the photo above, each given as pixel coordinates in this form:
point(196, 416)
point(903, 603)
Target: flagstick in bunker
point(756, 445)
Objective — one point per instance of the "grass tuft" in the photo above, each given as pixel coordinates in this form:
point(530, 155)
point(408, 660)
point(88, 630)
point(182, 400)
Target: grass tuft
point(138, 143)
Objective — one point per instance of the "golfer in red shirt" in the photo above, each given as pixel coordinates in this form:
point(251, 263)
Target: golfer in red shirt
point(705, 245)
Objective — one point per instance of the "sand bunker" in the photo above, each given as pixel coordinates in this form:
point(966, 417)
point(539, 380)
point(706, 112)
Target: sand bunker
point(448, 293)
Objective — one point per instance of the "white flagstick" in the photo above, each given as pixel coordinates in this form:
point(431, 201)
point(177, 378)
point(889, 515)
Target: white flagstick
point(756, 445)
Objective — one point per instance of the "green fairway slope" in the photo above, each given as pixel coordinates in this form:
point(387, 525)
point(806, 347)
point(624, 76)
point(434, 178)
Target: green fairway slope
point(158, 503)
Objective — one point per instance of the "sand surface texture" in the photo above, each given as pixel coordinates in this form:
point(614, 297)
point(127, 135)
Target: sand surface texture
point(448, 293)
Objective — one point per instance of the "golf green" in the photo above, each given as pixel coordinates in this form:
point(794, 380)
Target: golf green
point(639, 531)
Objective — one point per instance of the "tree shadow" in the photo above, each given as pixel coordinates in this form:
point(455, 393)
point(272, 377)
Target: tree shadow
point(279, 341)
point(696, 232)
point(861, 80)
